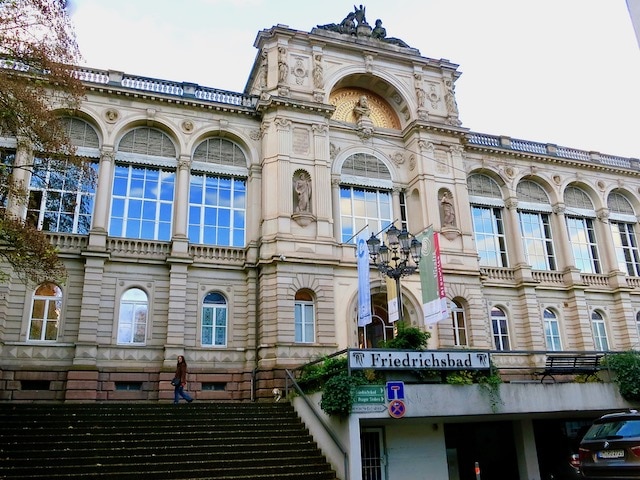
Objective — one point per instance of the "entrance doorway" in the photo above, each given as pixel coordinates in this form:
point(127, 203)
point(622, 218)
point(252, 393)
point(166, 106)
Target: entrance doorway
point(491, 444)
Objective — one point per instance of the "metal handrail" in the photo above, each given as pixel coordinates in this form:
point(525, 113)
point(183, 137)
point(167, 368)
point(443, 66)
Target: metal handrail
point(324, 424)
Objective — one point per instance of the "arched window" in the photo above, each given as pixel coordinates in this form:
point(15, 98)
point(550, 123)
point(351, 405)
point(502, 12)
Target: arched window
point(46, 311)
point(459, 325)
point(217, 194)
point(487, 216)
point(582, 235)
point(305, 323)
point(142, 196)
point(365, 196)
point(500, 329)
point(638, 322)
point(214, 320)
point(132, 323)
point(551, 330)
point(61, 194)
point(599, 331)
point(622, 220)
point(533, 212)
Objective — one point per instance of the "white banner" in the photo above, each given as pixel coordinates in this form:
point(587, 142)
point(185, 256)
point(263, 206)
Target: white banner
point(364, 287)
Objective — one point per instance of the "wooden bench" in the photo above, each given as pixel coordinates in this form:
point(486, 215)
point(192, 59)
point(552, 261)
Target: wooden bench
point(564, 364)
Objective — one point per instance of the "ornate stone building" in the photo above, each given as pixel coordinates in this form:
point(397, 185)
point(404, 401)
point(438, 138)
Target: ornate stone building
point(222, 226)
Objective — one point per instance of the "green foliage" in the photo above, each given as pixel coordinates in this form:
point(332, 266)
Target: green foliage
point(408, 338)
point(461, 377)
point(338, 394)
point(626, 366)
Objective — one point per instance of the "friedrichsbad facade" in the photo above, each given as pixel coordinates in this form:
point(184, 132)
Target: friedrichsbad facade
point(222, 228)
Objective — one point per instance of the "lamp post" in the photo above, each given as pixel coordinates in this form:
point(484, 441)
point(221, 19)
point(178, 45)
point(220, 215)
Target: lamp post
point(398, 258)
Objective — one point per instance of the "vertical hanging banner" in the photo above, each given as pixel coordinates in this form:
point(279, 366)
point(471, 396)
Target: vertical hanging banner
point(434, 299)
point(392, 300)
point(364, 287)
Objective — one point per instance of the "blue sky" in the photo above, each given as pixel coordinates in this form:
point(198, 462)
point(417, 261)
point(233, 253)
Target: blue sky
point(557, 71)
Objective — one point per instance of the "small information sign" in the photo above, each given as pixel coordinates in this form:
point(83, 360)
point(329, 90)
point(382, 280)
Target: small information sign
point(368, 394)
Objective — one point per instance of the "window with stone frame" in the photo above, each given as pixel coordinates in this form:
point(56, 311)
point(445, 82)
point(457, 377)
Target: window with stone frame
point(599, 329)
point(214, 324)
point(133, 317)
point(46, 313)
point(218, 194)
point(551, 330)
point(365, 196)
point(580, 216)
point(61, 194)
point(623, 221)
point(304, 317)
point(534, 211)
point(500, 328)
point(487, 209)
point(143, 186)
point(458, 324)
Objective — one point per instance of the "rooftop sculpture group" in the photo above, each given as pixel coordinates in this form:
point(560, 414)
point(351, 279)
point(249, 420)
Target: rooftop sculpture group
point(355, 23)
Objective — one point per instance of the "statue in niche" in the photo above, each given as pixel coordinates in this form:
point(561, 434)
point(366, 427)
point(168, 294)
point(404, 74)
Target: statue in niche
point(362, 111)
point(318, 74)
point(283, 68)
point(302, 190)
point(447, 214)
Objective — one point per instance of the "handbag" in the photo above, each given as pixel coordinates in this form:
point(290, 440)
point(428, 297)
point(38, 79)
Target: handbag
point(176, 381)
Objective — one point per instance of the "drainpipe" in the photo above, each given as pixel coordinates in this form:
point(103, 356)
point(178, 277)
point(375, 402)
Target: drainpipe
point(256, 332)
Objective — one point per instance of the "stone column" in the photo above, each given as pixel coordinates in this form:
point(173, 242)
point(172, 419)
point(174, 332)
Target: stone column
point(335, 198)
point(17, 206)
point(101, 207)
point(180, 243)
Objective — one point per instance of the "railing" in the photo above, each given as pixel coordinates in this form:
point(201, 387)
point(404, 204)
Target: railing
point(129, 247)
point(318, 416)
point(552, 150)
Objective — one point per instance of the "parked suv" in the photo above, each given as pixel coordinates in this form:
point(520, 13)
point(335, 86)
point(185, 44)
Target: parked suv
point(611, 447)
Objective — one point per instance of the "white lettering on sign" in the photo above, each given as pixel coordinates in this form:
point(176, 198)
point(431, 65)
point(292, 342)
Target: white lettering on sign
point(415, 360)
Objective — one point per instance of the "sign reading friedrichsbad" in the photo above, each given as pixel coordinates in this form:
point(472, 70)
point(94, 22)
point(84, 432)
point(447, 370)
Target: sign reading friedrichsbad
point(418, 360)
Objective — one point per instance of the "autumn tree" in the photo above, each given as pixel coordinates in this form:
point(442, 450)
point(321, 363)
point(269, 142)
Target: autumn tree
point(38, 52)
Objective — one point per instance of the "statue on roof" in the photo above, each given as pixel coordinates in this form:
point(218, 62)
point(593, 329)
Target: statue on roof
point(355, 23)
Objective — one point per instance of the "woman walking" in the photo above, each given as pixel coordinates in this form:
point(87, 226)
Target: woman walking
point(181, 373)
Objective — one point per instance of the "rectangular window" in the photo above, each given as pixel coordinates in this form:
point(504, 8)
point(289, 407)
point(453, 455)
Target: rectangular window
point(626, 245)
point(217, 210)
point(582, 238)
point(360, 208)
point(488, 229)
point(142, 203)
point(536, 238)
point(60, 198)
point(214, 326)
point(304, 322)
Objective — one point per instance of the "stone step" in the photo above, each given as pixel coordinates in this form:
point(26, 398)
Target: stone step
point(225, 441)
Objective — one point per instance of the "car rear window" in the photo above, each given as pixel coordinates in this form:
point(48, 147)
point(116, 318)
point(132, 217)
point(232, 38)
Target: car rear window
point(614, 429)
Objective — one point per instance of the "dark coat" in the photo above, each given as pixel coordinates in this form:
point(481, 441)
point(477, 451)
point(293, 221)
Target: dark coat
point(181, 372)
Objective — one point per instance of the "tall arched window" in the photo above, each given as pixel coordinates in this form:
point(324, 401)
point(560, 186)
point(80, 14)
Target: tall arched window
point(487, 216)
point(142, 196)
point(132, 322)
point(622, 220)
point(599, 331)
point(365, 196)
point(305, 322)
point(533, 211)
point(214, 320)
point(459, 325)
point(582, 235)
point(217, 194)
point(500, 327)
point(551, 330)
point(61, 194)
point(46, 311)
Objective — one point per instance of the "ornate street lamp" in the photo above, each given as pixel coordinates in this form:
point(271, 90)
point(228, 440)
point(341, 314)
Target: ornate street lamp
point(397, 258)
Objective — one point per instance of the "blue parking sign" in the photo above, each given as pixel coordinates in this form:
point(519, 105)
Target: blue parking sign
point(395, 391)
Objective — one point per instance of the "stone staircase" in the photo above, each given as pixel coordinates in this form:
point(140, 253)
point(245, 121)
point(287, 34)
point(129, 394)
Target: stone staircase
point(221, 441)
